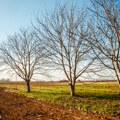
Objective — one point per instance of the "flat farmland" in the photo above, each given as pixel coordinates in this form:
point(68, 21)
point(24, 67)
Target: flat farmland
point(97, 100)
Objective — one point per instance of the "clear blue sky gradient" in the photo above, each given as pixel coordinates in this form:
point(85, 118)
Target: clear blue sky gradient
point(15, 14)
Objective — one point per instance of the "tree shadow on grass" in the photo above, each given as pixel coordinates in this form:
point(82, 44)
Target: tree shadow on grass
point(95, 96)
point(87, 95)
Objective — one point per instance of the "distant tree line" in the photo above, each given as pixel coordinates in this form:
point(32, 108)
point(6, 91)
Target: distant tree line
point(72, 39)
point(5, 80)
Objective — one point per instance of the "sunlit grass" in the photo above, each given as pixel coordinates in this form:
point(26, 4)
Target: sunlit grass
point(101, 97)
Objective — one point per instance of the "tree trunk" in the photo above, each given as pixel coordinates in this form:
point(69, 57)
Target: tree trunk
point(72, 89)
point(28, 86)
point(119, 83)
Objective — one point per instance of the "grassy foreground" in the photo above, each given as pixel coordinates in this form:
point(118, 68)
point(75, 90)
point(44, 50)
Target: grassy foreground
point(99, 97)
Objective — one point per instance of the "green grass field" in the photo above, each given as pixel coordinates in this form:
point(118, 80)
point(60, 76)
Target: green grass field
point(101, 97)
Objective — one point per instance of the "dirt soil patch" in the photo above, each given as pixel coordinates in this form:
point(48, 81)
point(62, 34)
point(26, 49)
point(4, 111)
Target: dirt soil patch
point(19, 107)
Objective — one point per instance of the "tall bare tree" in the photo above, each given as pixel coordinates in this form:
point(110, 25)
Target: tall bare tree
point(105, 30)
point(66, 36)
point(23, 55)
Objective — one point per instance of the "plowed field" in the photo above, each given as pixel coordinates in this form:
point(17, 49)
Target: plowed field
point(18, 107)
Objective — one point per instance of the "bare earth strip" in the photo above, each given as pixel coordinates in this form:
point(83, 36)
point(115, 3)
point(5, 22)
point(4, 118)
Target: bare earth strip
point(18, 107)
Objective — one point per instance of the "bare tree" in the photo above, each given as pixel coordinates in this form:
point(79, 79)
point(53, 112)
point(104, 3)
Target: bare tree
point(105, 30)
point(66, 36)
point(23, 55)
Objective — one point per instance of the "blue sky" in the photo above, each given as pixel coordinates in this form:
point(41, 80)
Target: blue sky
point(15, 14)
